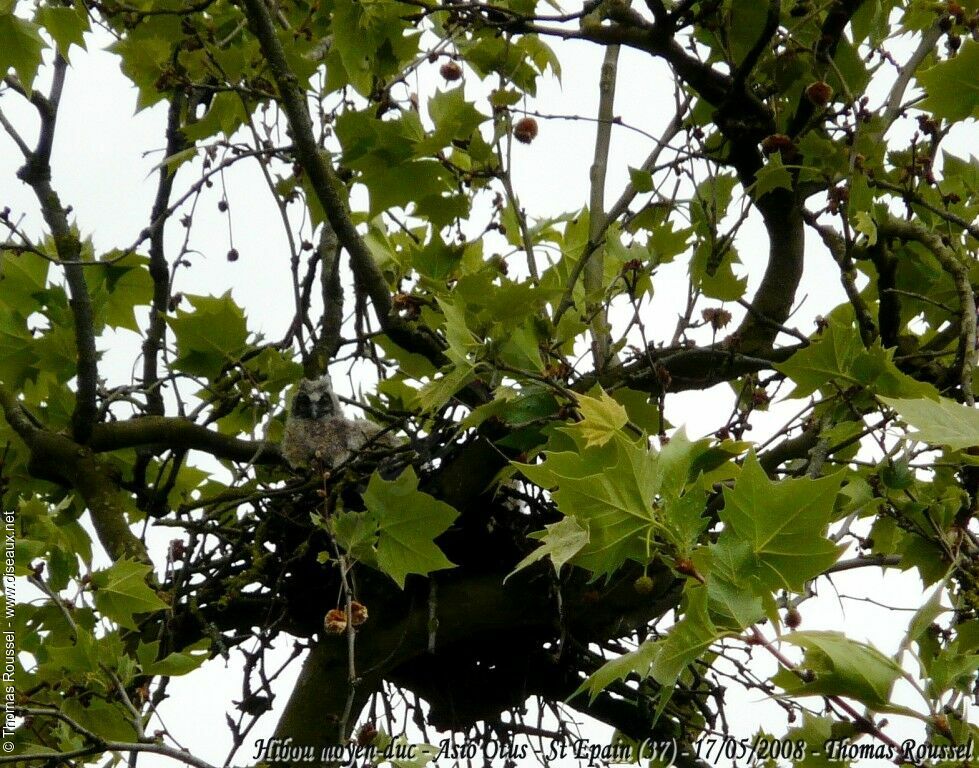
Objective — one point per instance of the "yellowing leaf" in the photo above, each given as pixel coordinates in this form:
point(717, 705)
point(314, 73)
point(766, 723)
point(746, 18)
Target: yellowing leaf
point(603, 417)
point(561, 541)
point(864, 224)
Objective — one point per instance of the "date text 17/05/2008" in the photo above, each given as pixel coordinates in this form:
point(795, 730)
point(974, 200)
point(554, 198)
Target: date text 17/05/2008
point(909, 751)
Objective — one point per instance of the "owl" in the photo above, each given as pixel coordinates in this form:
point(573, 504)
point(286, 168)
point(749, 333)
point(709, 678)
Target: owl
point(318, 434)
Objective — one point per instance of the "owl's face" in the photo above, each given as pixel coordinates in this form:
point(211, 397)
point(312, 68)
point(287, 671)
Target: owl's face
point(315, 400)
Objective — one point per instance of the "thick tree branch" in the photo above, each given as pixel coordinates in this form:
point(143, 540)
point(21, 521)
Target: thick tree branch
point(678, 370)
point(782, 215)
point(179, 434)
point(712, 85)
point(751, 58)
point(473, 610)
point(60, 459)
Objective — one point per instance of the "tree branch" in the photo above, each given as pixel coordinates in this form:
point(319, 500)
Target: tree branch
point(159, 269)
point(58, 458)
point(36, 172)
point(179, 434)
point(965, 358)
point(896, 96)
point(619, 208)
point(594, 256)
point(839, 15)
point(329, 340)
point(320, 172)
point(775, 296)
point(837, 248)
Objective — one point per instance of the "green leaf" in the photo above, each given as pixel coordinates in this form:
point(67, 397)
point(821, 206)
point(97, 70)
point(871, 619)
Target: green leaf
point(437, 392)
point(66, 26)
point(602, 418)
point(842, 667)
point(121, 591)
point(454, 119)
point(20, 48)
point(784, 524)
point(637, 662)
point(408, 521)
point(23, 278)
point(118, 288)
point(943, 423)
point(863, 222)
point(110, 721)
point(623, 494)
point(774, 175)
point(225, 115)
point(210, 337)
point(666, 659)
point(561, 541)
point(952, 86)
point(173, 664)
point(733, 587)
point(642, 181)
point(924, 617)
point(876, 370)
point(144, 55)
point(813, 735)
point(687, 640)
point(830, 357)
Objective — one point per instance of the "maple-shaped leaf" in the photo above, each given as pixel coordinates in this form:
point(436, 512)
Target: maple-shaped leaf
point(173, 664)
point(841, 667)
point(829, 358)
point(665, 659)
point(943, 423)
point(951, 85)
point(784, 524)
point(20, 47)
point(637, 662)
point(210, 337)
point(624, 495)
point(121, 591)
point(687, 640)
point(734, 591)
point(561, 541)
point(408, 522)
point(602, 418)
point(774, 175)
